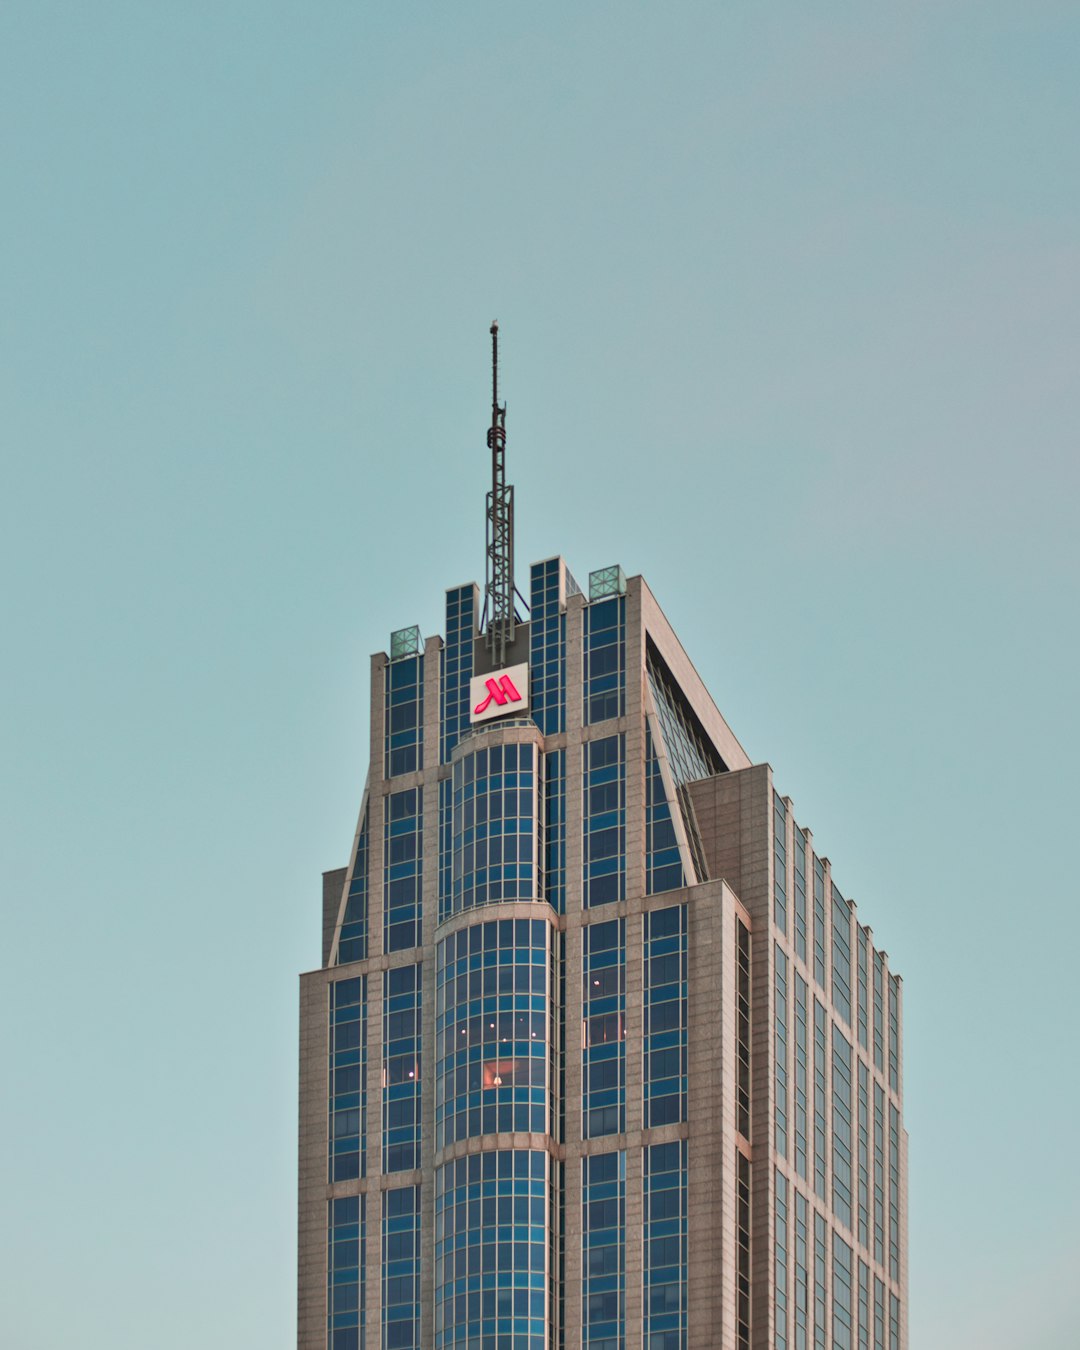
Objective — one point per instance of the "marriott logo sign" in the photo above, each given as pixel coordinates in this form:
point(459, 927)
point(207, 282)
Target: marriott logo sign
point(503, 691)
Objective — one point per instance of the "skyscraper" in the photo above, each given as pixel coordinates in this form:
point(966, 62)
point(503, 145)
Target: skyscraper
point(598, 1055)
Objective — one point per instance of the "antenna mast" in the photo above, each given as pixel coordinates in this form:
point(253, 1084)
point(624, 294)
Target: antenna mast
point(499, 582)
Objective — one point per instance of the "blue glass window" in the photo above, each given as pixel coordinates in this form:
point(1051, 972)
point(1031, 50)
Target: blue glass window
point(604, 1005)
point(665, 993)
point(819, 922)
point(742, 1029)
point(446, 848)
point(346, 1248)
point(800, 895)
point(353, 943)
point(403, 861)
point(879, 1174)
point(457, 665)
point(842, 1300)
point(894, 1320)
point(864, 1154)
point(864, 1306)
point(603, 1257)
point(555, 829)
point(665, 1246)
point(779, 862)
point(821, 1051)
point(879, 1314)
point(492, 1030)
point(781, 1261)
point(690, 753)
point(495, 826)
point(663, 862)
point(491, 1252)
point(894, 1192)
point(402, 995)
point(404, 716)
point(401, 1268)
point(781, 1039)
point(879, 1012)
point(547, 648)
point(802, 1271)
point(605, 659)
point(348, 1079)
point(821, 1287)
point(842, 1137)
point(742, 1251)
point(894, 1034)
point(841, 953)
point(605, 821)
point(802, 1061)
point(862, 941)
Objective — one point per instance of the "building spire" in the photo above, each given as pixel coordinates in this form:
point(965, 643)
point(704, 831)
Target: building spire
point(499, 578)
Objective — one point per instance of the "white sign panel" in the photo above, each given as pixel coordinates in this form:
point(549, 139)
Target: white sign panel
point(503, 691)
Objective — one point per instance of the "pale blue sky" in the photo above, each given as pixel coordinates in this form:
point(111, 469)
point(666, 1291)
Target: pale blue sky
point(790, 300)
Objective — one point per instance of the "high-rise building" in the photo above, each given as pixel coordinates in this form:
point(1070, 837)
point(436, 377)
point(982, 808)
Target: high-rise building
point(598, 1055)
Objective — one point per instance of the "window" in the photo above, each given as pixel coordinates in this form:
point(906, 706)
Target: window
point(352, 945)
point(604, 1006)
point(348, 1079)
point(800, 894)
point(457, 665)
point(555, 829)
point(547, 648)
point(663, 862)
point(491, 1251)
point(781, 1038)
point(402, 870)
point(605, 659)
point(821, 1051)
point(346, 1249)
point(801, 1079)
point(401, 1068)
point(492, 1030)
point(665, 991)
point(495, 826)
point(742, 1029)
point(401, 1268)
point(819, 922)
point(842, 1308)
point(404, 720)
point(605, 820)
point(779, 862)
point(603, 1258)
point(664, 1291)
point(842, 1140)
point(742, 1251)
point(781, 1234)
point(841, 985)
point(690, 753)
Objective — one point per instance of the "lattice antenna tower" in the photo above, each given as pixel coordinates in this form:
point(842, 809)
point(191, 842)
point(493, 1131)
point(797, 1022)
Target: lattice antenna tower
point(499, 590)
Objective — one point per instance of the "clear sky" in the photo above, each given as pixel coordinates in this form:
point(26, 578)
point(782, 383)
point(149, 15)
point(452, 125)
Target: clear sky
point(790, 307)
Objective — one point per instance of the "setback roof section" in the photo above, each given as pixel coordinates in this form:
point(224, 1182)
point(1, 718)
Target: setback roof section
point(689, 681)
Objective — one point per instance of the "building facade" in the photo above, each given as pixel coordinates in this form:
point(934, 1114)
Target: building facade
point(598, 1056)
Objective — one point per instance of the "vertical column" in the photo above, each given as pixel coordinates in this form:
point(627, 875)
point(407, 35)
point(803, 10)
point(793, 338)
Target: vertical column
point(572, 1012)
point(375, 990)
point(711, 1062)
point(313, 1133)
point(757, 861)
point(635, 742)
point(430, 900)
point(376, 804)
point(635, 1199)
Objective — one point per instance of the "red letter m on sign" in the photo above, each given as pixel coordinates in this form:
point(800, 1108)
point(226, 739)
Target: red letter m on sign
point(500, 691)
